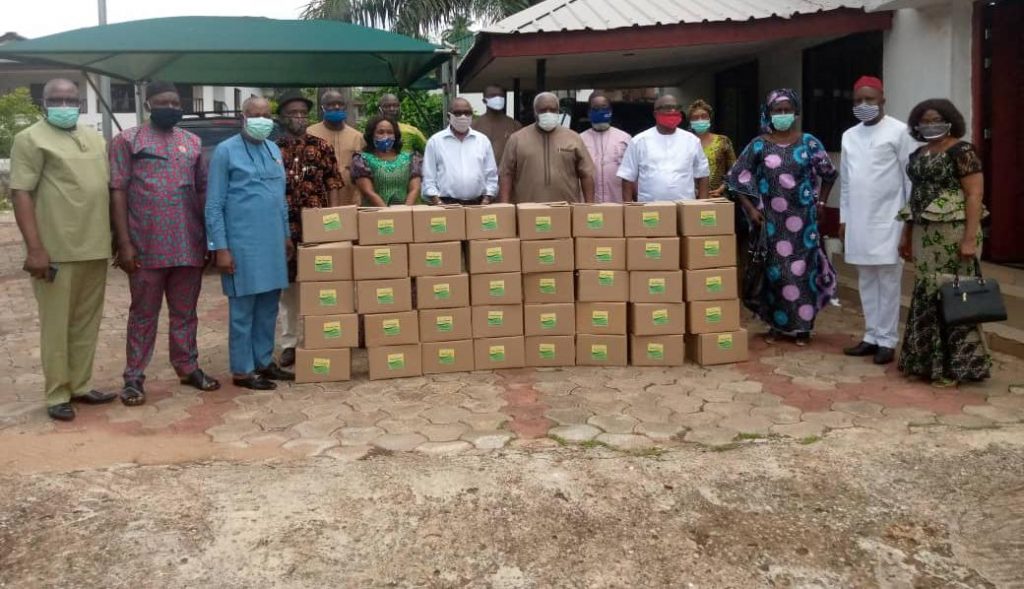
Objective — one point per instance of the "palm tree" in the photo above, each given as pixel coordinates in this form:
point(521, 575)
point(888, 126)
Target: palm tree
point(416, 18)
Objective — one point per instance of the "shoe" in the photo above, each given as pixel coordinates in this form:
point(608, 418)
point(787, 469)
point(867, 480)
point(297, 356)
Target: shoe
point(62, 412)
point(802, 339)
point(133, 394)
point(255, 382)
point(94, 398)
point(199, 380)
point(288, 357)
point(274, 372)
point(861, 349)
point(884, 355)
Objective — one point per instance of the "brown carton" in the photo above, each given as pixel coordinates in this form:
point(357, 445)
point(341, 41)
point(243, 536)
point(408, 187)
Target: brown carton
point(325, 262)
point(498, 352)
point(323, 365)
point(497, 321)
point(496, 221)
point(327, 298)
point(652, 253)
point(549, 287)
point(712, 216)
point(435, 259)
point(597, 220)
point(657, 350)
point(329, 224)
point(442, 292)
point(657, 318)
point(438, 223)
point(505, 288)
point(487, 256)
point(600, 253)
point(550, 350)
point(385, 225)
point(443, 357)
point(384, 296)
point(603, 286)
point(395, 361)
point(650, 219)
point(549, 319)
point(547, 255)
point(601, 318)
point(711, 285)
point(713, 251)
point(391, 329)
point(600, 350)
point(330, 331)
point(445, 325)
point(657, 286)
point(708, 349)
point(550, 220)
point(370, 262)
point(713, 316)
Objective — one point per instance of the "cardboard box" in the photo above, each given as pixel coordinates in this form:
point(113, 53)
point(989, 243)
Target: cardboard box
point(708, 349)
point(499, 352)
point(497, 321)
point(549, 287)
point(548, 220)
point(505, 288)
point(395, 361)
point(597, 220)
point(600, 350)
point(438, 223)
point(601, 318)
point(715, 251)
point(600, 253)
point(652, 253)
point(323, 365)
point(391, 329)
point(442, 292)
point(550, 350)
point(602, 286)
point(657, 350)
point(443, 357)
point(435, 259)
point(384, 296)
point(495, 221)
point(330, 331)
point(657, 318)
point(326, 298)
point(711, 285)
point(650, 219)
point(549, 319)
point(379, 225)
point(712, 316)
point(372, 262)
point(547, 255)
point(329, 224)
point(712, 216)
point(445, 325)
point(487, 256)
point(325, 262)
point(656, 286)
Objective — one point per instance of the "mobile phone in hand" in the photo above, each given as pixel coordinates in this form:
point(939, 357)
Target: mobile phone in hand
point(51, 274)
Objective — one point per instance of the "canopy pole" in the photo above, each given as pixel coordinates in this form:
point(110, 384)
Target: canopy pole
point(140, 115)
point(108, 112)
point(542, 74)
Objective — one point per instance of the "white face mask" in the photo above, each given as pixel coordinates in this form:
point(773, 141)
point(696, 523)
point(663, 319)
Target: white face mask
point(548, 120)
point(495, 102)
point(866, 112)
point(460, 123)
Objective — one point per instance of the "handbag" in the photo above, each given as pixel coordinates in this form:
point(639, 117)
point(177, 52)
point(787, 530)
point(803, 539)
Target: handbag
point(755, 278)
point(971, 300)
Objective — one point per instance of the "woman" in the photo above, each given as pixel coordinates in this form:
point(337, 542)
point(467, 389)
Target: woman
point(717, 148)
point(942, 235)
point(775, 181)
point(384, 175)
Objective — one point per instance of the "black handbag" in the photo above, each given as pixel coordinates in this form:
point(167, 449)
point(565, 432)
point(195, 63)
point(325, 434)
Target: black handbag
point(971, 300)
point(755, 278)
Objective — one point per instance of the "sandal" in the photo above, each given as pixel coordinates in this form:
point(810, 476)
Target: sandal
point(945, 383)
point(133, 394)
point(802, 339)
point(199, 380)
point(770, 337)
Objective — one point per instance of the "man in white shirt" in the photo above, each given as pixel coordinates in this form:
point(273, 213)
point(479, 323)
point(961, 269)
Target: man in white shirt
point(664, 162)
point(874, 187)
point(458, 164)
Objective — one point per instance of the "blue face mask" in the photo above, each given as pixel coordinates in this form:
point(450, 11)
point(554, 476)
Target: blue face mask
point(335, 116)
point(65, 117)
point(783, 122)
point(602, 115)
point(383, 145)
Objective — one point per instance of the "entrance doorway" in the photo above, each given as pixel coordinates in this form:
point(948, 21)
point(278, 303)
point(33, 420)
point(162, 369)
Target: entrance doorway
point(737, 103)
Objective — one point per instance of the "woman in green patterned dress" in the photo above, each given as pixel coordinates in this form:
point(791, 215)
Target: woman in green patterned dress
point(942, 235)
point(384, 175)
point(718, 149)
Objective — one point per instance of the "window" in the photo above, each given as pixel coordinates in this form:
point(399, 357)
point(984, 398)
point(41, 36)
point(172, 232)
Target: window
point(122, 97)
point(829, 73)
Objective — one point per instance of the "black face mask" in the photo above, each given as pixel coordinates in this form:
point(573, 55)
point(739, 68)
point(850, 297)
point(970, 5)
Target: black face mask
point(165, 117)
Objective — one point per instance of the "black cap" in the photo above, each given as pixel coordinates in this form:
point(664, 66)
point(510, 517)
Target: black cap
point(292, 96)
point(159, 87)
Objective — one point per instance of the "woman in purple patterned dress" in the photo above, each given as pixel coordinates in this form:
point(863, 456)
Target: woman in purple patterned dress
point(776, 181)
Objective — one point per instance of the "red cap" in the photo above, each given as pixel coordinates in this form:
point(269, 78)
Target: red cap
point(868, 82)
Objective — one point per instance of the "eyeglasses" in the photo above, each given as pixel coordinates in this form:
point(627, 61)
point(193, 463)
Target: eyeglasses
point(62, 102)
point(461, 113)
point(667, 108)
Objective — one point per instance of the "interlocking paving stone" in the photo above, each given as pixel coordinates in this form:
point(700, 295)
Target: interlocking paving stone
point(232, 432)
point(649, 412)
point(404, 410)
point(996, 414)
point(310, 446)
point(614, 424)
point(800, 430)
point(1007, 401)
point(659, 430)
point(695, 420)
point(912, 415)
point(728, 409)
point(884, 425)
point(357, 436)
point(444, 414)
point(348, 453)
point(272, 439)
point(626, 441)
point(575, 433)
point(492, 405)
point(758, 399)
point(715, 395)
point(317, 428)
point(280, 420)
point(780, 414)
point(487, 440)
point(444, 448)
point(361, 419)
point(829, 419)
point(443, 433)
point(399, 442)
point(965, 420)
point(485, 421)
point(742, 387)
point(748, 424)
point(711, 436)
point(402, 426)
point(568, 415)
point(682, 403)
point(859, 408)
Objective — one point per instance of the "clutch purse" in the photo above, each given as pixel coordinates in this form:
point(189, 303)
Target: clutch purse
point(971, 300)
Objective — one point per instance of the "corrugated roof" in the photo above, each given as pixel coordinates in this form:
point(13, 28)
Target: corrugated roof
point(602, 15)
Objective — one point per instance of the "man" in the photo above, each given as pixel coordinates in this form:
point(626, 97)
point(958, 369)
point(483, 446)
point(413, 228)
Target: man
point(873, 188)
point(345, 141)
point(247, 228)
point(606, 145)
point(413, 140)
point(311, 181)
point(664, 162)
point(156, 189)
point(546, 162)
point(458, 166)
point(61, 203)
point(494, 123)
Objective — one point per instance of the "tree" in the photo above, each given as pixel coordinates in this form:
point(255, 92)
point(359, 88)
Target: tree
point(17, 112)
point(420, 108)
point(416, 18)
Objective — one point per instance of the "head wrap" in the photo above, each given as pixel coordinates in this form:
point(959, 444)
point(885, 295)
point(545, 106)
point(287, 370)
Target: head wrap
point(774, 97)
point(868, 82)
point(159, 87)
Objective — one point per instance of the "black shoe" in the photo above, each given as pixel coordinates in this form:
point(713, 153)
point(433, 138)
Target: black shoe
point(273, 372)
point(62, 412)
point(861, 349)
point(94, 398)
point(288, 357)
point(133, 394)
point(200, 380)
point(884, 355)
point(254, 382)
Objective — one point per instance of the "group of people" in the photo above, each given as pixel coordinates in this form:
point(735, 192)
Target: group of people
point(910, 191)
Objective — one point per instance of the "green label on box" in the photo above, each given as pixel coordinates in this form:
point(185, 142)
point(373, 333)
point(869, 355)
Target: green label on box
point(386, 296)
point(323, 264)
point(548, 320)
point(655, 351)
point(446, 356)
point(725, 341)
point(332, 222)
point(542, 224)
point(496, 288)
point(495, 255)
point(599, 318)
point(444, 323)
point(547, 286)
point(321, 365)
point(488, 222)
point(595, 220)
point(603, 254)
point(439, 224)
point(396, 361)
point(496, 353)
point(652, 251)
point(713, 283)
point(655, 286)
point(332, 329)
point(650, 218)
point(434, 259)
point(328, 297)
point(392, 326)
point(708, 218)
point(385, 226)
point(495, 318)
point(442, 291)
point(546, 256)
point(599, 352)
point(606, 278)
point(712, 248)
point(713, 314)
point(546, 351)
point(382, 256)
point(659, 316)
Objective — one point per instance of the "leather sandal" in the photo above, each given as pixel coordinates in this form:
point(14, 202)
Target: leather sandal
point(133, 394)
point(198, 379)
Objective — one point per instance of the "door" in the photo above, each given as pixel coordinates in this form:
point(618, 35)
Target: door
point(737, 103)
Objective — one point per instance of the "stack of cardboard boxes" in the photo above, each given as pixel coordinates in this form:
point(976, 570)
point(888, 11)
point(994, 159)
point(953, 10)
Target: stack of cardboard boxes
point(548, 258)
point(602, 284)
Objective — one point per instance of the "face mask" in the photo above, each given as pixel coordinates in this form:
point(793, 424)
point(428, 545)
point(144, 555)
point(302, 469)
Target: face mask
point(164, 117)
point(460, 123)
point(495, 103)
point(258, 128)
point(65, 117)
point(335, 116)
point(668, 119)
point(866, 112)
point(548, 120)
point(783, 122)
point(700, 127)
point(932, 131)
point(383, 145)
point(296, 126)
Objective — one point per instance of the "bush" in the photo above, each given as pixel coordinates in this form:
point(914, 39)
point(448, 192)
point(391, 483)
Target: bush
point(17, 111)
point(420, 108)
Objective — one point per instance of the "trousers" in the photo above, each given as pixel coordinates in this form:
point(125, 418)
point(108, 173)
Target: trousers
point(181, 286)
point(253, 320)
point(880, 298)
point(290, 316)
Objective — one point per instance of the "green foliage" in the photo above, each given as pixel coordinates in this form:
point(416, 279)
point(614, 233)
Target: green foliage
point(17, 111)
point(420, 108)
